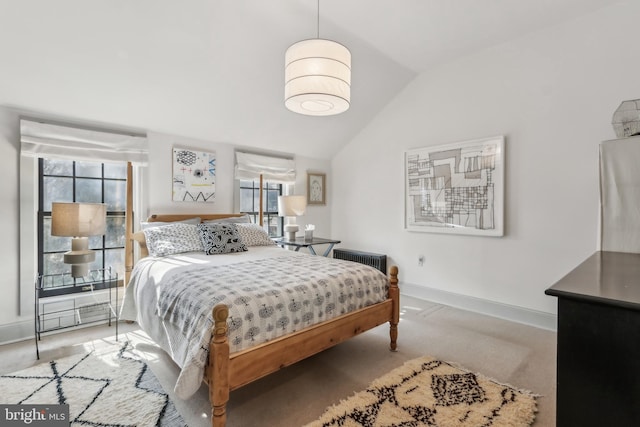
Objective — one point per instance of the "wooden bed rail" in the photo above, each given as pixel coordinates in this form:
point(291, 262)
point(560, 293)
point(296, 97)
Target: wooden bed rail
point(225, 372)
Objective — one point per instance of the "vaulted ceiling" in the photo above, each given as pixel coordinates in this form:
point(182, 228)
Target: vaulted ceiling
point(213, 69)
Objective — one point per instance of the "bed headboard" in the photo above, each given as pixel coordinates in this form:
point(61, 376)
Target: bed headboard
point(138, 236)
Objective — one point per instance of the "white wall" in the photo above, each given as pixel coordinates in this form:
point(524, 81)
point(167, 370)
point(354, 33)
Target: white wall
point(552, 94)
point(9, 212)
point(159, 176)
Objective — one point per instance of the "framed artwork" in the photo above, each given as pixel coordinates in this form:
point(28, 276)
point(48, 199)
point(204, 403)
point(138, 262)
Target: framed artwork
point(194, 176)
point(456, 188)
point(316, 188)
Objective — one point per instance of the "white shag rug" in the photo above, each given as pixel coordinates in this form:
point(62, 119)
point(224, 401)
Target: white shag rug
point(106, 387)
point(429, 392)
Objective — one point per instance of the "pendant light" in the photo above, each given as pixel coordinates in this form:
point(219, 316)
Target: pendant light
point(317, 76)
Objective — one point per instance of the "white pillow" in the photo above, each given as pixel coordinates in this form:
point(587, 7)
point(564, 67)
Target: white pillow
point(174, 238)
point(244, 219)
point(145, 225)
point(254, 235)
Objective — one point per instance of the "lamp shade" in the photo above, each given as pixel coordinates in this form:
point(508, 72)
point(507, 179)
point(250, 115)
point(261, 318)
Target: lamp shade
point(78, 219)
point(291, 205)
point(317, 77)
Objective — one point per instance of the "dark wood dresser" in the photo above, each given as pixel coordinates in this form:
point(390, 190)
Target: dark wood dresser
point(598, 362)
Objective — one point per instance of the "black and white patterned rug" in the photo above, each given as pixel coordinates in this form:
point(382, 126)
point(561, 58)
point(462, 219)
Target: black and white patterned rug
point(105, 387)
point(429, 392)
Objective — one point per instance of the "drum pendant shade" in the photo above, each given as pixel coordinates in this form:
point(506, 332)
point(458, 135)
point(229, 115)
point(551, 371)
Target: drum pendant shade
point(317, 77)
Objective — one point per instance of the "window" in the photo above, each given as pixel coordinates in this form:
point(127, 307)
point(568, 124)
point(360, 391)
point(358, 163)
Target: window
point(250, 202)
point(80, 181)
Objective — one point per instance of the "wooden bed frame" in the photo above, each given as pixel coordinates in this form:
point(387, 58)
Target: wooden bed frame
point(226, 372)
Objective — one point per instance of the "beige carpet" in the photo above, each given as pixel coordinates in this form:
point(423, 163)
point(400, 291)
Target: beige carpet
point(508, 352)
point(426, 391)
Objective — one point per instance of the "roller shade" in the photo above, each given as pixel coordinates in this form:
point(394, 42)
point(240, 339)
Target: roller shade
point(273, 169)
point(64, 142)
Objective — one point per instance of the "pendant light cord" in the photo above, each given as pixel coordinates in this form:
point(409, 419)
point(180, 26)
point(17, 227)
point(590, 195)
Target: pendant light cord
point(318, 26)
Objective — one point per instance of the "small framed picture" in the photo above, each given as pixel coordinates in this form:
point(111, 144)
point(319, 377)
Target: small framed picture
point(316, 188)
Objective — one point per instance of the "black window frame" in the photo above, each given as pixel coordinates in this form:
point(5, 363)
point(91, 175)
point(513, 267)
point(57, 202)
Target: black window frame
point(269, 191)
point(74, 285)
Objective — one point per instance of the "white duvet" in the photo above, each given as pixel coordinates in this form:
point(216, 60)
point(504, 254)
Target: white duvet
point(270, 292)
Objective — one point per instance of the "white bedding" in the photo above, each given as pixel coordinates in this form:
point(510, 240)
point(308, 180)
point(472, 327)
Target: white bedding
point(270, 292)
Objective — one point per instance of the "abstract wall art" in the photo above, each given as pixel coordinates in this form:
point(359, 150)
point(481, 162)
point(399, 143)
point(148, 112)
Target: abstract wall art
point(194, 176)
point(456, 188)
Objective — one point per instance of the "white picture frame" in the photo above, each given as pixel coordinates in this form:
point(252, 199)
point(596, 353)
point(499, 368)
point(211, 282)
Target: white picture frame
point(194, 176)
point(456, 188)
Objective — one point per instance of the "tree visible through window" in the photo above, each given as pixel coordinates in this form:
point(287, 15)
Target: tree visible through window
point(250, 202)
point(88, 182)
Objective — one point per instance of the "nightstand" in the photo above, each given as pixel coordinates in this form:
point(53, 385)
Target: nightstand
point(301, 242)
point(54, 313)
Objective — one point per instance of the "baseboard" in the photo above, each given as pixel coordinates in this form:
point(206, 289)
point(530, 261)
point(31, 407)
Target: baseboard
point(18, 331)
point(513, 313)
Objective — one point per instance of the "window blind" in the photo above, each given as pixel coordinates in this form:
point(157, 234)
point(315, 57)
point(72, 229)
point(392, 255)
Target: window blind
point(274, 170)
point(65, 142)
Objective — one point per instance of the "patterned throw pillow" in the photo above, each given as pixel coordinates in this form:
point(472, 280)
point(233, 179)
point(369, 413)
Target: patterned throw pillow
point(220, 238)
point(254, 235)
point(172, 239)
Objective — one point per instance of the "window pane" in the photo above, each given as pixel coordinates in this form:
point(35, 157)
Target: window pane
point(97, 264)
point(89, 169)
point(272, 200)
point(246, 200)
point(115, 170)
point(115, 232)
point(95, 242)
point(115, 195)
point(114, 258)
point(57, 167)
point(88, 190)
point(272, 223)
point(57, 190)
point(54, 264)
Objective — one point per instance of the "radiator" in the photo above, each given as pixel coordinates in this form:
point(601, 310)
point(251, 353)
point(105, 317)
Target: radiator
point(374, 260)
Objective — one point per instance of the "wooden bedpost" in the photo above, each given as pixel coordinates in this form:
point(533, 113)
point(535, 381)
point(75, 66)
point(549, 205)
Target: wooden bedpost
point(218, 369)
point(394, 294)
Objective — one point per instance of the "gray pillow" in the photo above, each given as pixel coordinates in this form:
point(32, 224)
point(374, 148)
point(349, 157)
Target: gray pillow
point(174, 238)
point(254, 235)
point(220, 238)
point(145, 225)
point(244, 219)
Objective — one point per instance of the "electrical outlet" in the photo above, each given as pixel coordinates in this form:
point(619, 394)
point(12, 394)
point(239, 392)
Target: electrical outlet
point(421, 260)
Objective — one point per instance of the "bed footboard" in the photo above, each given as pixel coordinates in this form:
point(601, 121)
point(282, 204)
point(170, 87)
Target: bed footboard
point(218, 367)
point(225, 372)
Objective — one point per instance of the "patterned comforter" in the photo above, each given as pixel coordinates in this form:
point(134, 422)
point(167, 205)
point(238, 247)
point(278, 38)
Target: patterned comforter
point(267, 298)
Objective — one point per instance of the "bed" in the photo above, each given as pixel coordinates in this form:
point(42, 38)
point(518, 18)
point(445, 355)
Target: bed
point(206, 342)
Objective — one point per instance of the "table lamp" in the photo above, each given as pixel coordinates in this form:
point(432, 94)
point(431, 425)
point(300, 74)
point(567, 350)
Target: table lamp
point(78, 220)
point(290, 207)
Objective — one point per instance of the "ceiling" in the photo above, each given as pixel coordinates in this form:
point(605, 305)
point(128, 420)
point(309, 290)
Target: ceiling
point(213, 69)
